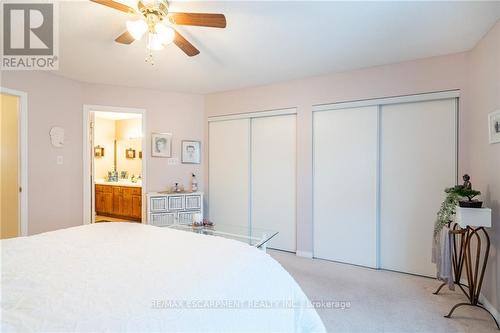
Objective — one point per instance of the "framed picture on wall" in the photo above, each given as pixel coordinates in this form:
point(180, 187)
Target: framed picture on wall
point(191, 152)
point(494, 126)
point(161, 144)
point(130, 153)
point(98, 151)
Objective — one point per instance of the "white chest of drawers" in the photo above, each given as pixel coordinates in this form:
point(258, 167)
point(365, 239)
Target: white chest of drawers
point(172, 208)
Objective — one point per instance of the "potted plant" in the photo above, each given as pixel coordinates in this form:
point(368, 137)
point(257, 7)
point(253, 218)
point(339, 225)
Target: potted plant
point(465, 191)
point(447, 210)
point(468, 193)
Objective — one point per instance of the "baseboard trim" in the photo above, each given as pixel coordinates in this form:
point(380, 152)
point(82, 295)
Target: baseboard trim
point(304, 254)
point(489, 307)
point(486, 303)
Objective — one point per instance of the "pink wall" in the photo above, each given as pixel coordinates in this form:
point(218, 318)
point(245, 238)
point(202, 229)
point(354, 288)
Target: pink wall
point(179, 114)
point(421, 76)
point(55, 191)
point(483, 159)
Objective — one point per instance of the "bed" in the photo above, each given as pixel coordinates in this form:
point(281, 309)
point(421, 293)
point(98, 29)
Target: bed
point(132, 277)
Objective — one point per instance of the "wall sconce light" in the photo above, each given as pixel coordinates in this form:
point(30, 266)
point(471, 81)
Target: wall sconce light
point(98, 151)
point(130, 153)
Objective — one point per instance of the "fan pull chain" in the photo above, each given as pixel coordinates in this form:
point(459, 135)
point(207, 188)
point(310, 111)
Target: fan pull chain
point(149, 58)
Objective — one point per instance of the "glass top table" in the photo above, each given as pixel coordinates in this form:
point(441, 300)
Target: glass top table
point(252, 236)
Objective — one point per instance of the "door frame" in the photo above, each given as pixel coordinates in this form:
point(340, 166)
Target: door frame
point(23, 157)
point(88, 216)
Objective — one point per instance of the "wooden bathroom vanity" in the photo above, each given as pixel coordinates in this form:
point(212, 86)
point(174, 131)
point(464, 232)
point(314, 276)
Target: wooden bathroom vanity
point(118, 201)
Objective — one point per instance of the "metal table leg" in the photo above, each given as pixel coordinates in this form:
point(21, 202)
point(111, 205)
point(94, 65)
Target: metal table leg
point(474, 270)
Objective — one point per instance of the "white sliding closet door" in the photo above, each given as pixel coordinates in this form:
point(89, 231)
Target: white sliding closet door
point(274, 178)
point(229, 171)
point(345, 185)
point(418, 161)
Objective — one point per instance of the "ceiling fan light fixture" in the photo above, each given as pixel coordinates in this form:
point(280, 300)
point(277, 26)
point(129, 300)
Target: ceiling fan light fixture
point(137, 28)
point(154, 42)
point(165, 34)
point(150, 2)
point(153, 12)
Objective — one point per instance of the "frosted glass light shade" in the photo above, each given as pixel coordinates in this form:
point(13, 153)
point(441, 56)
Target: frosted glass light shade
point(137, 28)
point(155, 43)
point(165, 33)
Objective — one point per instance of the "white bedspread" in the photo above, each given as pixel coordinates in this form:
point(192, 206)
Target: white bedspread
point(111, 277)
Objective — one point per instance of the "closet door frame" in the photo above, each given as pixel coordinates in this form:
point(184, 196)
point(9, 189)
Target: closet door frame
point(249, 116)
point(380, 102)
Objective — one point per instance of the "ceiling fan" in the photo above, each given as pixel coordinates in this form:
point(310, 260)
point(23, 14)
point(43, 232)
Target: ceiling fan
point(157, 21)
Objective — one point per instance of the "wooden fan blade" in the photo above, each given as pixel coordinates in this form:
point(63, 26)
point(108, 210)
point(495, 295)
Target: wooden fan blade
point(199, 19)
point(125, 38)
point(115, 5)
point(185, 45)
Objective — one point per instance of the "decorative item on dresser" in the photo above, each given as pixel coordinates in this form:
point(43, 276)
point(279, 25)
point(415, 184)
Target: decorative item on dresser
point(194, 183)
point(119, 201)
point(172, 208)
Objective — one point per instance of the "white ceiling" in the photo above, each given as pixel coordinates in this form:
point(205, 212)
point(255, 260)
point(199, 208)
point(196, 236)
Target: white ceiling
point(267, 42)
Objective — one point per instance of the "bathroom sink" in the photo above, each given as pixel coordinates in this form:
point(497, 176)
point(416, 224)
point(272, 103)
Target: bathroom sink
point(121, 182)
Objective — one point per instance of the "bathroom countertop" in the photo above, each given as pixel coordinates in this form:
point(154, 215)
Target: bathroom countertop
point(126, 183)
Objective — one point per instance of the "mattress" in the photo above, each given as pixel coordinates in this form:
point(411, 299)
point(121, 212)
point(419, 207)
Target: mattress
point(111, 277)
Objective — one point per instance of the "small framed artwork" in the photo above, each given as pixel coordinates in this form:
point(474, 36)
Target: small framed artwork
point(494, 126)
point(161, 144)
point(98, 151)
point(130, 153)
point(191, 152)
point(140, 154)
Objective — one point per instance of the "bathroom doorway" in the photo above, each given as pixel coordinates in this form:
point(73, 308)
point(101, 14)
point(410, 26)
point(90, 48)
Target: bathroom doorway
point(114, 165)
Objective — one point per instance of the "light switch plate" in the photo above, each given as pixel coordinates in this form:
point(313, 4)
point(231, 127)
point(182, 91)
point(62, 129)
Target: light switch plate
point(173, 161)
point(60, 160)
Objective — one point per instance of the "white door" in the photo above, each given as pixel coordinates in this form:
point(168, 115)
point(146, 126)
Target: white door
point(418, 161)
point(229, 172)
point(345, 185)
point(274, 178)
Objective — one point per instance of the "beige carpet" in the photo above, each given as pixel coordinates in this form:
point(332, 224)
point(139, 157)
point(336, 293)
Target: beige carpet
point(381, 301)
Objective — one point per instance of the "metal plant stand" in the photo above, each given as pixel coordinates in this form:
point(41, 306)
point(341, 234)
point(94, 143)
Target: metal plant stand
point(457, 258)
point(462, 259)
